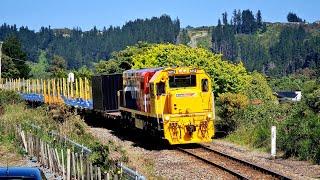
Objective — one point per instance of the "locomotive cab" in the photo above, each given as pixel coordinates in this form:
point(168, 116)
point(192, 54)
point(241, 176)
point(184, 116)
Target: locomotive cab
point(182, 98)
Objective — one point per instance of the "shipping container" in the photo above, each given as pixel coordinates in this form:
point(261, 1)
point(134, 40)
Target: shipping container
point(104, 91)
point(97, 96)
point(111, 84)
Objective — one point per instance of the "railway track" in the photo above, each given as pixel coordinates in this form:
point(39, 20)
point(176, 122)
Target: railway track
point(239, 168)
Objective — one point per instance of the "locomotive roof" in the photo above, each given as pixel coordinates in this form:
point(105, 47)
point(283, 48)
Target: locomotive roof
point(142, 70)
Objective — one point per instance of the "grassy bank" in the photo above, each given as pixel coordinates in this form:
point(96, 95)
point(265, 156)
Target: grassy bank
point(247, 117)
point(57, 119)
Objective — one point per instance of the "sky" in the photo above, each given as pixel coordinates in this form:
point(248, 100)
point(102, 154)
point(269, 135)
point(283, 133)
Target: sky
point(100, 13)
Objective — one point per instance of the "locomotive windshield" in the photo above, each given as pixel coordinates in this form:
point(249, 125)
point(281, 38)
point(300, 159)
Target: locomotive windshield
point(177, 81)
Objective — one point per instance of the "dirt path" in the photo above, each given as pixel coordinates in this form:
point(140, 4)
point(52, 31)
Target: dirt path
point(193, 40)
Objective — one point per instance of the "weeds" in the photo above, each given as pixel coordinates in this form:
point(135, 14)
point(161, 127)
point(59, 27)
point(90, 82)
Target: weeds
point(56, 119)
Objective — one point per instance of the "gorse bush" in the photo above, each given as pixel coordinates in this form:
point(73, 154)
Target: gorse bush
point(259, 89)
point(9, 97)
point(228, 105)
point(313, 100)
point(255, 122)
point(226, 77)
point(300, 134)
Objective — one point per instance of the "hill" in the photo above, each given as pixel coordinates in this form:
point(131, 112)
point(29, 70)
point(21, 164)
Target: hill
point(84, 47)
point(279, 49)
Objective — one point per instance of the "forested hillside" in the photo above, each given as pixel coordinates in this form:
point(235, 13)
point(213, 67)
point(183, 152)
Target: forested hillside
point(84, 47)
point(275, 49)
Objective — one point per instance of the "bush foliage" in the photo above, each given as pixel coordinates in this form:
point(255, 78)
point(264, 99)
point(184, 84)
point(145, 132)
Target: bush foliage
point(9, 97)
point(53, 119)
point(298, 124)
point(300, 134)
point(227, 77)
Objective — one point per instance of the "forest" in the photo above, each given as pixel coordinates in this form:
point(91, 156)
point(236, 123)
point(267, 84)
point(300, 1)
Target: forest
point(80, 48)
point(275, 49)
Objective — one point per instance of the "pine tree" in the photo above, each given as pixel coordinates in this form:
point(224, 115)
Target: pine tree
point(248, 22)
point(225, 18)
point(12, 48)
point(292, 17)
point(259, 19)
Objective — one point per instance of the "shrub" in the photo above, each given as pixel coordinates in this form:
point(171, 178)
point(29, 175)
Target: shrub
point(259, 89)
point(313, 100)
point(300, 134)
point(255, 122)
point(9, 97)
point(228, 105)
point(226, 77)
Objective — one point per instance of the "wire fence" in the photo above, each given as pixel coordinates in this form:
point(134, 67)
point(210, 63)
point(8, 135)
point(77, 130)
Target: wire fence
point(66, 158)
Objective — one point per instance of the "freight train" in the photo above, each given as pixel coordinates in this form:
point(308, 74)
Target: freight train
point(174, 103)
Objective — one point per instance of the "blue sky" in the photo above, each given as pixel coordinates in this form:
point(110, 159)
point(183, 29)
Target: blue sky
point(86, 14)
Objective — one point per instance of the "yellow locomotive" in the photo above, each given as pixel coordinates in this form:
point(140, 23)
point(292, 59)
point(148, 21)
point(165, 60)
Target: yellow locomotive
point(175, 103)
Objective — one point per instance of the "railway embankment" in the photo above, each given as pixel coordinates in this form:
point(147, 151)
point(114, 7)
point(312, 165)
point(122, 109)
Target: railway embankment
point(51, 120)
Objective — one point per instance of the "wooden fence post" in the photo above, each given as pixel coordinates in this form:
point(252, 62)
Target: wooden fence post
point(68, 164)
point(63, 168)
point(81, 167)
point(74, 166)
point(24, 140)
point(99, 173)
point(91, 171)
point(77, 167)
point(58, 159)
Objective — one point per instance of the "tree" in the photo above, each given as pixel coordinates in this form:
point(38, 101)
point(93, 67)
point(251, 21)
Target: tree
point(259, 19)
point(183, 37)
point(248, 22)
point(223, 39)
point(225, 18)
point(8, 68)
point(81, 48)
point(12, 48)
point(40, 69)
point(83, 72)
point(292, 17)
point(58, 67)
point(237, 21)
point(225, 76)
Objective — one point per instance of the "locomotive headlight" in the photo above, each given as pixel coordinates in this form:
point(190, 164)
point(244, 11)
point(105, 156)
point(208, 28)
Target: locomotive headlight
point(167, 118)
point(209, 115)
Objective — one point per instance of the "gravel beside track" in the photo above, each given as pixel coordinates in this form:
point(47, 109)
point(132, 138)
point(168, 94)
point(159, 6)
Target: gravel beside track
point(289, 167)
point(238, 167)
point(155, 162)
point(158, 161)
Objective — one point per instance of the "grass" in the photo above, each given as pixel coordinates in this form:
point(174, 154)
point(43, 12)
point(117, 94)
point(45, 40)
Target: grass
point(56, 119)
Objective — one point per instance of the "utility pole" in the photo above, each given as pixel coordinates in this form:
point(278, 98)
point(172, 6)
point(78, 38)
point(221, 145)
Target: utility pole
point(0, 63)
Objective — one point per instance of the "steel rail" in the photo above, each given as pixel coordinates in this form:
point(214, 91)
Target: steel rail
point(236, 174)
point(247, 163)
point(229, 170)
